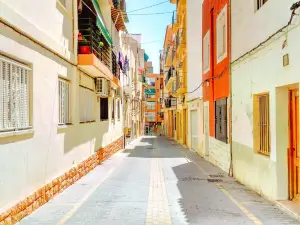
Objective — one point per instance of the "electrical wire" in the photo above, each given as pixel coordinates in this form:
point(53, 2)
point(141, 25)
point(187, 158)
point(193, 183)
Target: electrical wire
point(293, 8)
point(147, 7)
point(148, 14)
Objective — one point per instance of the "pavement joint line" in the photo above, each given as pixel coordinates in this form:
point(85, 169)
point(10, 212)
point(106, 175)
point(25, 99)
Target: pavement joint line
point(236, 202)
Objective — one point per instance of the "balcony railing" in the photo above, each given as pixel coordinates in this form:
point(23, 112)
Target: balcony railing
point(170, 102)
point(92, 41)
point(169, 75)
point(180, 80)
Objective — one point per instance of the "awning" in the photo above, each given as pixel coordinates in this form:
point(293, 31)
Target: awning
point(100, 23)
point(118, 19)
point(149, 91)
point(146, 57)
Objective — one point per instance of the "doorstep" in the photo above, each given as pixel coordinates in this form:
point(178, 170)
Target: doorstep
point(290, 207)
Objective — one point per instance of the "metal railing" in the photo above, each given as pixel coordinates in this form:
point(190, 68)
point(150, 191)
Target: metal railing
point(169, 75)
point(92, 41)
point(180, 80)
point(170, 102)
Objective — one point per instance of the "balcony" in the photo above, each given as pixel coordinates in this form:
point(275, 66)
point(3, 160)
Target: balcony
point(170, 78)
point(180, 83)
point(94, 53)
point(170, 102)
point(181, 42)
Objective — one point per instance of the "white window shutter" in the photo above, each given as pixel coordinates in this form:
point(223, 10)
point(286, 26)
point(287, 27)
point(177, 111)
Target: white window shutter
point(14, 98)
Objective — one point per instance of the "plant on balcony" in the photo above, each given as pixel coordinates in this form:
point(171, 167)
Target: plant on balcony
point(84, 47)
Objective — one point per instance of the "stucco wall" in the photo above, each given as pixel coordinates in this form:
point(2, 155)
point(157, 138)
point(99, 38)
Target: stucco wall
point(30, 160)
point(196, 105)
point(194, 48)
point(263, 72)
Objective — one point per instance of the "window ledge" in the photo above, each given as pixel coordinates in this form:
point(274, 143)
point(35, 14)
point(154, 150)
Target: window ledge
point(16, 133)
point(64, 126)
point(89, 122)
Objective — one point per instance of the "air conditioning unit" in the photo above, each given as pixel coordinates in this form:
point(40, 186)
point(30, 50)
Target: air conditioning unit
point(102, 87)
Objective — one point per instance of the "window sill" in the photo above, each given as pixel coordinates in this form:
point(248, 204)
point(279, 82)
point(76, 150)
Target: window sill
point(16, 133)
point(88, 122)
point(64, 126)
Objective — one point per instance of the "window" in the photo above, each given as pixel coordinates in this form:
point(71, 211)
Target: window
point(221, 119)
point(151, 105)
point(14, 95)
point(206, 52)
point(86, 105)
point(103, 109)
point(113, 109)
point(260, 3)
point(63, 102)
point(261, 127)
point(222, 35)
point(151, 116)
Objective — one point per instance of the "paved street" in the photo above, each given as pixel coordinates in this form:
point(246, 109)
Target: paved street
point(156, 181)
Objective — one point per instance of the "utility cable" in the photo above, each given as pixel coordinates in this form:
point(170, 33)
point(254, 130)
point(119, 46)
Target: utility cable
point(148, 14)
point(147, 7)
point(294, 7)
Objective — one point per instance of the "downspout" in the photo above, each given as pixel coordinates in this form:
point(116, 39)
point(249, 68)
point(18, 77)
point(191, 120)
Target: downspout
point(230, 172)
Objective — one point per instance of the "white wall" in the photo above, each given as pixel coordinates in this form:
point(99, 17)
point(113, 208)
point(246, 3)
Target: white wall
point(31, 160)
point(51, 23)
point(194, 48)
point(261, 72)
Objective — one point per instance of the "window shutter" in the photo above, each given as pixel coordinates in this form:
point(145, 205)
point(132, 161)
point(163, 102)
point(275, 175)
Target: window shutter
point(14, 110)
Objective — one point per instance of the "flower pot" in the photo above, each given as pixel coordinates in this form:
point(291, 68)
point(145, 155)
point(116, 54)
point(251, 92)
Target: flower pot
point(85, 49)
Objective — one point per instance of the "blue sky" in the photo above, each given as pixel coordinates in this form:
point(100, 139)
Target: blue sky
point(152, 27)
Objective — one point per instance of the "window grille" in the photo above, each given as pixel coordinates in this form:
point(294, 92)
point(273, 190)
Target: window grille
point(262, 124)
point(14, 95)
point(260, 3)
point(64, 102)
point(221, 119)
point(87, 105)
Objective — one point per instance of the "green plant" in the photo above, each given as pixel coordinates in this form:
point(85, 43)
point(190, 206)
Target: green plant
point(85, 41)
point(101, 44)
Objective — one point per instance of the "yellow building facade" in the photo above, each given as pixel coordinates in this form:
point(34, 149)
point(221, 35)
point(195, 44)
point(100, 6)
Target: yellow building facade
point(179, 63)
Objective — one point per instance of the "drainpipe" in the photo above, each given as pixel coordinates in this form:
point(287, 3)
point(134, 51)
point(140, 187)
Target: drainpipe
point(230, 172)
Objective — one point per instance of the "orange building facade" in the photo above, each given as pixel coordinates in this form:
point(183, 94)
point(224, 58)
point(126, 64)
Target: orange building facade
point(216, 85)
point(152, 88)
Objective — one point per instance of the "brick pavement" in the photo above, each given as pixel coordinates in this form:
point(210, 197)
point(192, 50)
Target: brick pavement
point(156, 181)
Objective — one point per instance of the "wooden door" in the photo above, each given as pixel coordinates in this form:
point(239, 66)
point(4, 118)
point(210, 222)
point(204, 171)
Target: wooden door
point(294, 154)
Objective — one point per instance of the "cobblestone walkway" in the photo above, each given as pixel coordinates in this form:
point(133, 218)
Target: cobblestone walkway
point(156, 181)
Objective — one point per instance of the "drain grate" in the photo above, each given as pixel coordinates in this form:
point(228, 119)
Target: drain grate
point(211, 180)
point(216, 175)
point(150, 148)
point(214, 180)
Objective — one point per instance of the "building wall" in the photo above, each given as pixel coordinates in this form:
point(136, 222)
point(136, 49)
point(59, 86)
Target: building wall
point(196, 105)
point(32, 158)
point(194, 68)
point(216, 88)
point(263, 72)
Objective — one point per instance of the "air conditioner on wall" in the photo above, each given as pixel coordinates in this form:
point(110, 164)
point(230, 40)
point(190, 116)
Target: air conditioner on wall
point(102, 87)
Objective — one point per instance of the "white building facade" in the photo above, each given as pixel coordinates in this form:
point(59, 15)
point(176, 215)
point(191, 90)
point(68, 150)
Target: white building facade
point(265, 104)
point(194, 76)
point(51, 116)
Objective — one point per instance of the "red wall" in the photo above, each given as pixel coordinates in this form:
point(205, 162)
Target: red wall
point(218, 88)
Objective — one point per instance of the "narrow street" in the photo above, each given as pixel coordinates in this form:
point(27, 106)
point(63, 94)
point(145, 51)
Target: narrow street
point(156, 181)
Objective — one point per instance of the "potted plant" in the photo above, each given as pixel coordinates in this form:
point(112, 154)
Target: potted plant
point(85, 48)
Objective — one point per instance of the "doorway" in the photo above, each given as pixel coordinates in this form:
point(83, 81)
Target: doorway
point(293, 150)
point(194, 130)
